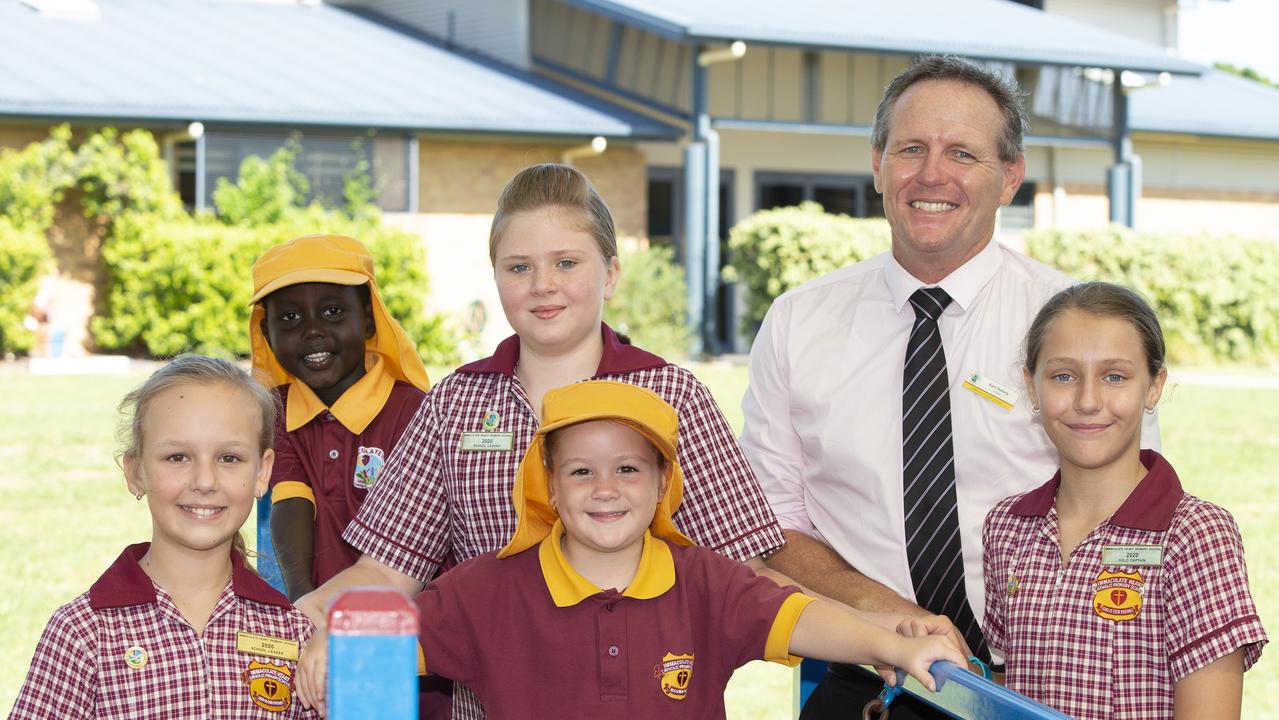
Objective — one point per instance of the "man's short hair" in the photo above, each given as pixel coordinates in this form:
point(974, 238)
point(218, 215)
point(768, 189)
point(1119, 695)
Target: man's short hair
point(1004, 91)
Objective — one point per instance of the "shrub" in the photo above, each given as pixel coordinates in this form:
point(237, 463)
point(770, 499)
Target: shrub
point(1214, 295)
point(651, 302)
point(776, 250)
point(24, 256)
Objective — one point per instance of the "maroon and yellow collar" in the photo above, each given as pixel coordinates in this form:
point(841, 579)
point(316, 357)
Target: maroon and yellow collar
point(654, 576)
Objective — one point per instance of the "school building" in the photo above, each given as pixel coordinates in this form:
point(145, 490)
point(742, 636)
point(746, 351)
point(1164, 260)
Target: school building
point(708, 110)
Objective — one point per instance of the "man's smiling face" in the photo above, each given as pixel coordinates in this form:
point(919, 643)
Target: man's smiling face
point(941, 175)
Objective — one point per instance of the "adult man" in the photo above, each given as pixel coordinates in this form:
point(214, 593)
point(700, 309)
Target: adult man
point(884, 416)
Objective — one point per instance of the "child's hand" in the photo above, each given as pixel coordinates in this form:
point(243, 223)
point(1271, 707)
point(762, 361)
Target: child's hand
point(916, 655)
point(313, 669)
point(938, 625)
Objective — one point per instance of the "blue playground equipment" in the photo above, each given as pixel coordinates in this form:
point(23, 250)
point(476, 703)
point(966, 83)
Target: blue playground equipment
point(960, 693)
point(268, 568)
point(373, 656)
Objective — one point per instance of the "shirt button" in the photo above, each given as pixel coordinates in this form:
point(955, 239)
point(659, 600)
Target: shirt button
point(333, 454)
point(613, 651)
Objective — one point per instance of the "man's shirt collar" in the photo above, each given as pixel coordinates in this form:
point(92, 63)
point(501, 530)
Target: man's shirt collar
point(962, 285)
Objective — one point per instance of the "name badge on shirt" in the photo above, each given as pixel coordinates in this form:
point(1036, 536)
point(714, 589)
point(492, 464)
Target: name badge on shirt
point(985, 387)
point(487, 441)
point(1133, 555)
point(254, 644)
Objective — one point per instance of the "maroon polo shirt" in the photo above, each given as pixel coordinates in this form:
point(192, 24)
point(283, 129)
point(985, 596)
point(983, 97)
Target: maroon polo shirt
point(534, 639)
point(327, 463)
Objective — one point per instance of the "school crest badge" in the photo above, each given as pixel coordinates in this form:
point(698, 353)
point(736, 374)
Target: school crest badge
point(270, 685)
point(674, 672)
point(1117, 595)
point(368, 461)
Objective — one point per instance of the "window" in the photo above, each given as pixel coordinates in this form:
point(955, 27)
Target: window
point(1020, 213)
point(325, 160)
point(851, 195)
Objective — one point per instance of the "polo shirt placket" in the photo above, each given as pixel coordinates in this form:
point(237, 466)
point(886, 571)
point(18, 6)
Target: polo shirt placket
point(610, 621)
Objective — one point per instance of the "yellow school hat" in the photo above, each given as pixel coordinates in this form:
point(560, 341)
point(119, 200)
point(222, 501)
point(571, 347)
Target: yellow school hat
point(639, 409)
point(339, 260)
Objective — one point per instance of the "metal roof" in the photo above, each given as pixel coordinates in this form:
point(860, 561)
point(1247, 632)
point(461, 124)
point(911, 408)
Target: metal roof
point(1217, 103)
point(276, 63)
point(981, 29)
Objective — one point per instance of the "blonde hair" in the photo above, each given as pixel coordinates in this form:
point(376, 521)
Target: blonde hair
point(556, 186)
point(190, 369)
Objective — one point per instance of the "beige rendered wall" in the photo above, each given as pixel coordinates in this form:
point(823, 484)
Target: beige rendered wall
point(460, 184)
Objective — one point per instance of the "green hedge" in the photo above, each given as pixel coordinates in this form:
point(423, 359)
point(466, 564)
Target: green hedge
point(1216, 295)
point(24, 256)
point(776, 250)
point(651, 302)
point(184, 285)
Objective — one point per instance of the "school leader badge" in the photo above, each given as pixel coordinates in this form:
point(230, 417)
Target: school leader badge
point(270, 685)
point(674, 672)
point(368, 461)
point(1117, 595)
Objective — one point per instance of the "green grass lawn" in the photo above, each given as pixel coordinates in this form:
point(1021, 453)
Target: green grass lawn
point(65, 514)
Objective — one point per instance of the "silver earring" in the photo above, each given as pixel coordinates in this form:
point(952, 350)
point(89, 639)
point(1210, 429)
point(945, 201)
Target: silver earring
point(1034, 409)
point(138, 496)
point(1150, 411)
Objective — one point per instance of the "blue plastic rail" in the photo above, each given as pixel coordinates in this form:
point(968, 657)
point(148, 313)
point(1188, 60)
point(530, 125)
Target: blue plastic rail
point(960, 693)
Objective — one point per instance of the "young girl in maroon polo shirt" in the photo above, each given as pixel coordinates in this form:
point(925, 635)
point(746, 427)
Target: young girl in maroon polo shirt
point(599, 607)
point(180, 627)
point(1113, 593)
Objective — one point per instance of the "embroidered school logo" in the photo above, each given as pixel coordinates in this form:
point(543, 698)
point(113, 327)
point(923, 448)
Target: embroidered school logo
point(674, 672)
point(270, 685)
point(1117, 595)
point(368, 461)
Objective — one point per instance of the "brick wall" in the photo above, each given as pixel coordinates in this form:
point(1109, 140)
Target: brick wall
point(467, 176)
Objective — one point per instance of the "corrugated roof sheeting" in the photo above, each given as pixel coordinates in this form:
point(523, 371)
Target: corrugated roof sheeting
point(985, 29)
point(1217, 103)
point(276, 63)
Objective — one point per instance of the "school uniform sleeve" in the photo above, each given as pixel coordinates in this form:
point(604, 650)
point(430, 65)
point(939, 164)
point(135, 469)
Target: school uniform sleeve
point(750, 617)
point(61, 681)
point(995, 571)
point(288, 475)
point(404, 521)
point(724, 508)
point(1210, 609)
point(447, 638)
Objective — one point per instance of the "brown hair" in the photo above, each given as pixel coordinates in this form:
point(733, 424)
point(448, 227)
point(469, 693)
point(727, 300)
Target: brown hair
point(549, 442)
point(191, 369)
point(1005, 92)
point(1100, 299)
point(557, 186)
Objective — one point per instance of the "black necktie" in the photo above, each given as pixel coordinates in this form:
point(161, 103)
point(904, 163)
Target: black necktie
point(928, 474)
